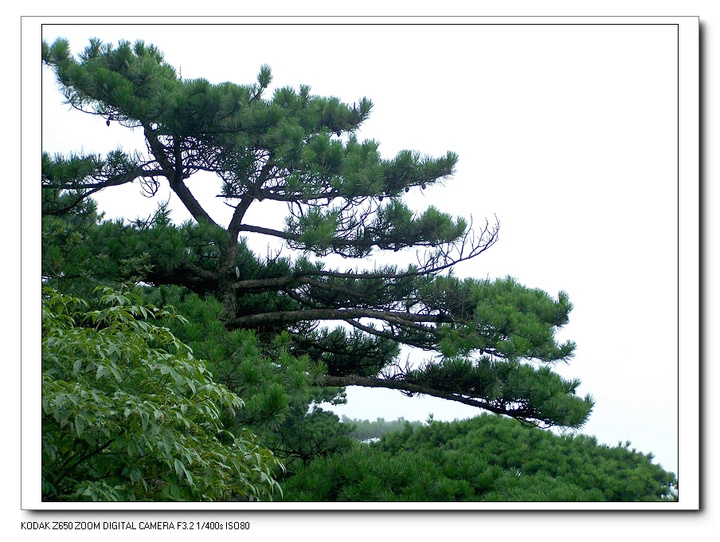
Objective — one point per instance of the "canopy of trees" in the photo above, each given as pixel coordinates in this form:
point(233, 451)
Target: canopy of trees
point(286, 334)
point(486, 458)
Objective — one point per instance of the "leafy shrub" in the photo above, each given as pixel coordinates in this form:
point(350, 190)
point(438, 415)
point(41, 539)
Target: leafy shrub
point(130, 414)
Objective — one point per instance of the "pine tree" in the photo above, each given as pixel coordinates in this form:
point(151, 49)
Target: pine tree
point(491, 342)
point(485, 458)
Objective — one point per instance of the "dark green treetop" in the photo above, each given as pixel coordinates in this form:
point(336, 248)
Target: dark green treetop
point(486, 458)
point(489, 342)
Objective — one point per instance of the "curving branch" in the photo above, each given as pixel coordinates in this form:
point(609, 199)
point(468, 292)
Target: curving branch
point(520, 412)
point(304, 315)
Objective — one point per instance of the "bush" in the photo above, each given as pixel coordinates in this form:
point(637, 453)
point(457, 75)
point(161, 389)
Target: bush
point(130, 414)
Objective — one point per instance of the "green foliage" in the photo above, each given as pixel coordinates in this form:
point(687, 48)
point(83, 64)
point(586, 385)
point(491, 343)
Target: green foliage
point(130, 414)
point(82, 248)
point(538, 394)
point(505, 319)
point(263, 326)
point(488, 336)
point(487, 458)
point(281, 393)
point(291, 147)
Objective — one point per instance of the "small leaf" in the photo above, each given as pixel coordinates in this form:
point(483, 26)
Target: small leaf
point(79, 425)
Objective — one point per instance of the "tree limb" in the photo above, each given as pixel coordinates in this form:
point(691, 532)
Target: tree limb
point(292, 317)
point(406, 387)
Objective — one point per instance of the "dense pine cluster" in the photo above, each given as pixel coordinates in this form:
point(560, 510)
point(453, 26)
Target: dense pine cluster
point(486, 458)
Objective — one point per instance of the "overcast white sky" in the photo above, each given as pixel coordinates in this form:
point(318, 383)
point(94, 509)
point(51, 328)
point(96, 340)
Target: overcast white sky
point(566, 133)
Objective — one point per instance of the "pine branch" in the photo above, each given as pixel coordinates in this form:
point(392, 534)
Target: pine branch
point(399, 384)
point(304, 315)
